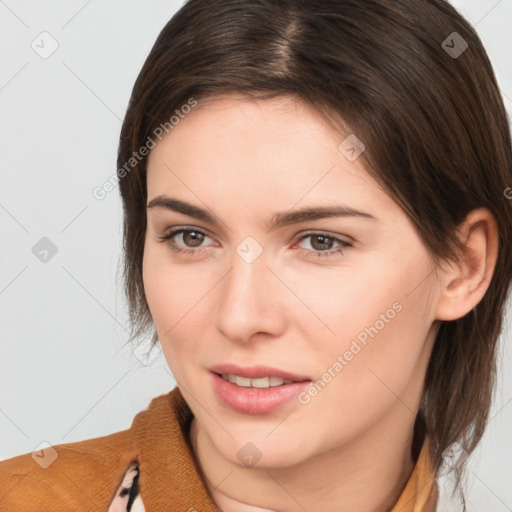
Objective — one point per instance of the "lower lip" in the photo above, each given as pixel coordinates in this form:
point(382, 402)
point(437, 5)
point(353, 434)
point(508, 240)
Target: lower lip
point(255, 400)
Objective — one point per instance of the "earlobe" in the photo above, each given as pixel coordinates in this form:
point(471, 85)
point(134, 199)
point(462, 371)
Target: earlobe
point(463, 284)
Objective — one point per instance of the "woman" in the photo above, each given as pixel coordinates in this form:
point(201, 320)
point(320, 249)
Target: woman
point(316, 224)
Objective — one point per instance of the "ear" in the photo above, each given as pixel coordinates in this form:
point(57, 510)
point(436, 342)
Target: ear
point(463, 284)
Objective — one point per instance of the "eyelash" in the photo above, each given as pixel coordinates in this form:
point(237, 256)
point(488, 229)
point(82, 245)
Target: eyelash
point(331, 252)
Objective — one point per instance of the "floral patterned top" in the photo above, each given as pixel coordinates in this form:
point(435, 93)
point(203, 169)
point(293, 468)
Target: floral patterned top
point(128, 498)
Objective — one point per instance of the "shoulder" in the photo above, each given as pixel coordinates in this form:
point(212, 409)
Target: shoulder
point(70, 476)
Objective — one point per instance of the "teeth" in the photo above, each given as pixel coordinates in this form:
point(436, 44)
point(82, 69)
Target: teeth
point(261, 382)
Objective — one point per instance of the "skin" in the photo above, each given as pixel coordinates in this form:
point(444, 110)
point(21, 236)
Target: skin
point(350, 447)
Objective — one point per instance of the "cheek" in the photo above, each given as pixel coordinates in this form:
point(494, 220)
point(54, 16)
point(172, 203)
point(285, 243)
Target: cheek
point(173, 292)
point(177, 297)
point(338, 304)
point(380, 300)
point(381, 323)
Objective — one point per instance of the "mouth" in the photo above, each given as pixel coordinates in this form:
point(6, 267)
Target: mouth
point(253, 400)
point(257, 389)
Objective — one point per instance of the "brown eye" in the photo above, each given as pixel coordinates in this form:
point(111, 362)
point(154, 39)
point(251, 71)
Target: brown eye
point(186, 241)
point(324, 245)
point(193, 238)
point(321, 242)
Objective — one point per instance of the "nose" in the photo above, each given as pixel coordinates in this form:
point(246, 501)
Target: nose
point(249, 301)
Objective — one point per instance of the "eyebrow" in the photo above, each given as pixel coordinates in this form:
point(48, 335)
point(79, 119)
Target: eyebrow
point(278, 220)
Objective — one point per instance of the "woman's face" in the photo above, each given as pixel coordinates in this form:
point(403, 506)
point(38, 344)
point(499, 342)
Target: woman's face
point(355, 319)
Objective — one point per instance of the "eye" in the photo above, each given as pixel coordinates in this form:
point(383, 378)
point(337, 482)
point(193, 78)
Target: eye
point(191, 237)
point(322, 244)
point(192, 242)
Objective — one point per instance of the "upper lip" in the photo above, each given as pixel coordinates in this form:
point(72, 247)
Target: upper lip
point(257, 371)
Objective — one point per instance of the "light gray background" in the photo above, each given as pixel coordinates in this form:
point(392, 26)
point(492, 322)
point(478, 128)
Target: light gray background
point(65, 373)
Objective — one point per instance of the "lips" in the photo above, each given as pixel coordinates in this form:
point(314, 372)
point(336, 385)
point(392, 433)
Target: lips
point(252, 400)
point(257, 371)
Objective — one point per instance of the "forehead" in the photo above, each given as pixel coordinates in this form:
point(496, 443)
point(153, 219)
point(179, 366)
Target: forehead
point(258, 152)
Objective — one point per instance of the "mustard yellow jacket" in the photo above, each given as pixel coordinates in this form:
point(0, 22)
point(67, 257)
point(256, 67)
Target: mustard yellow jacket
point(149, 467)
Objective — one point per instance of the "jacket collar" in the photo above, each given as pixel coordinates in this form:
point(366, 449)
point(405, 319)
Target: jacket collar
point(161, 436)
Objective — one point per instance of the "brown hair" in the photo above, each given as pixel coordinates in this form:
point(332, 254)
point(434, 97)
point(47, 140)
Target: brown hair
point(433, 123)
